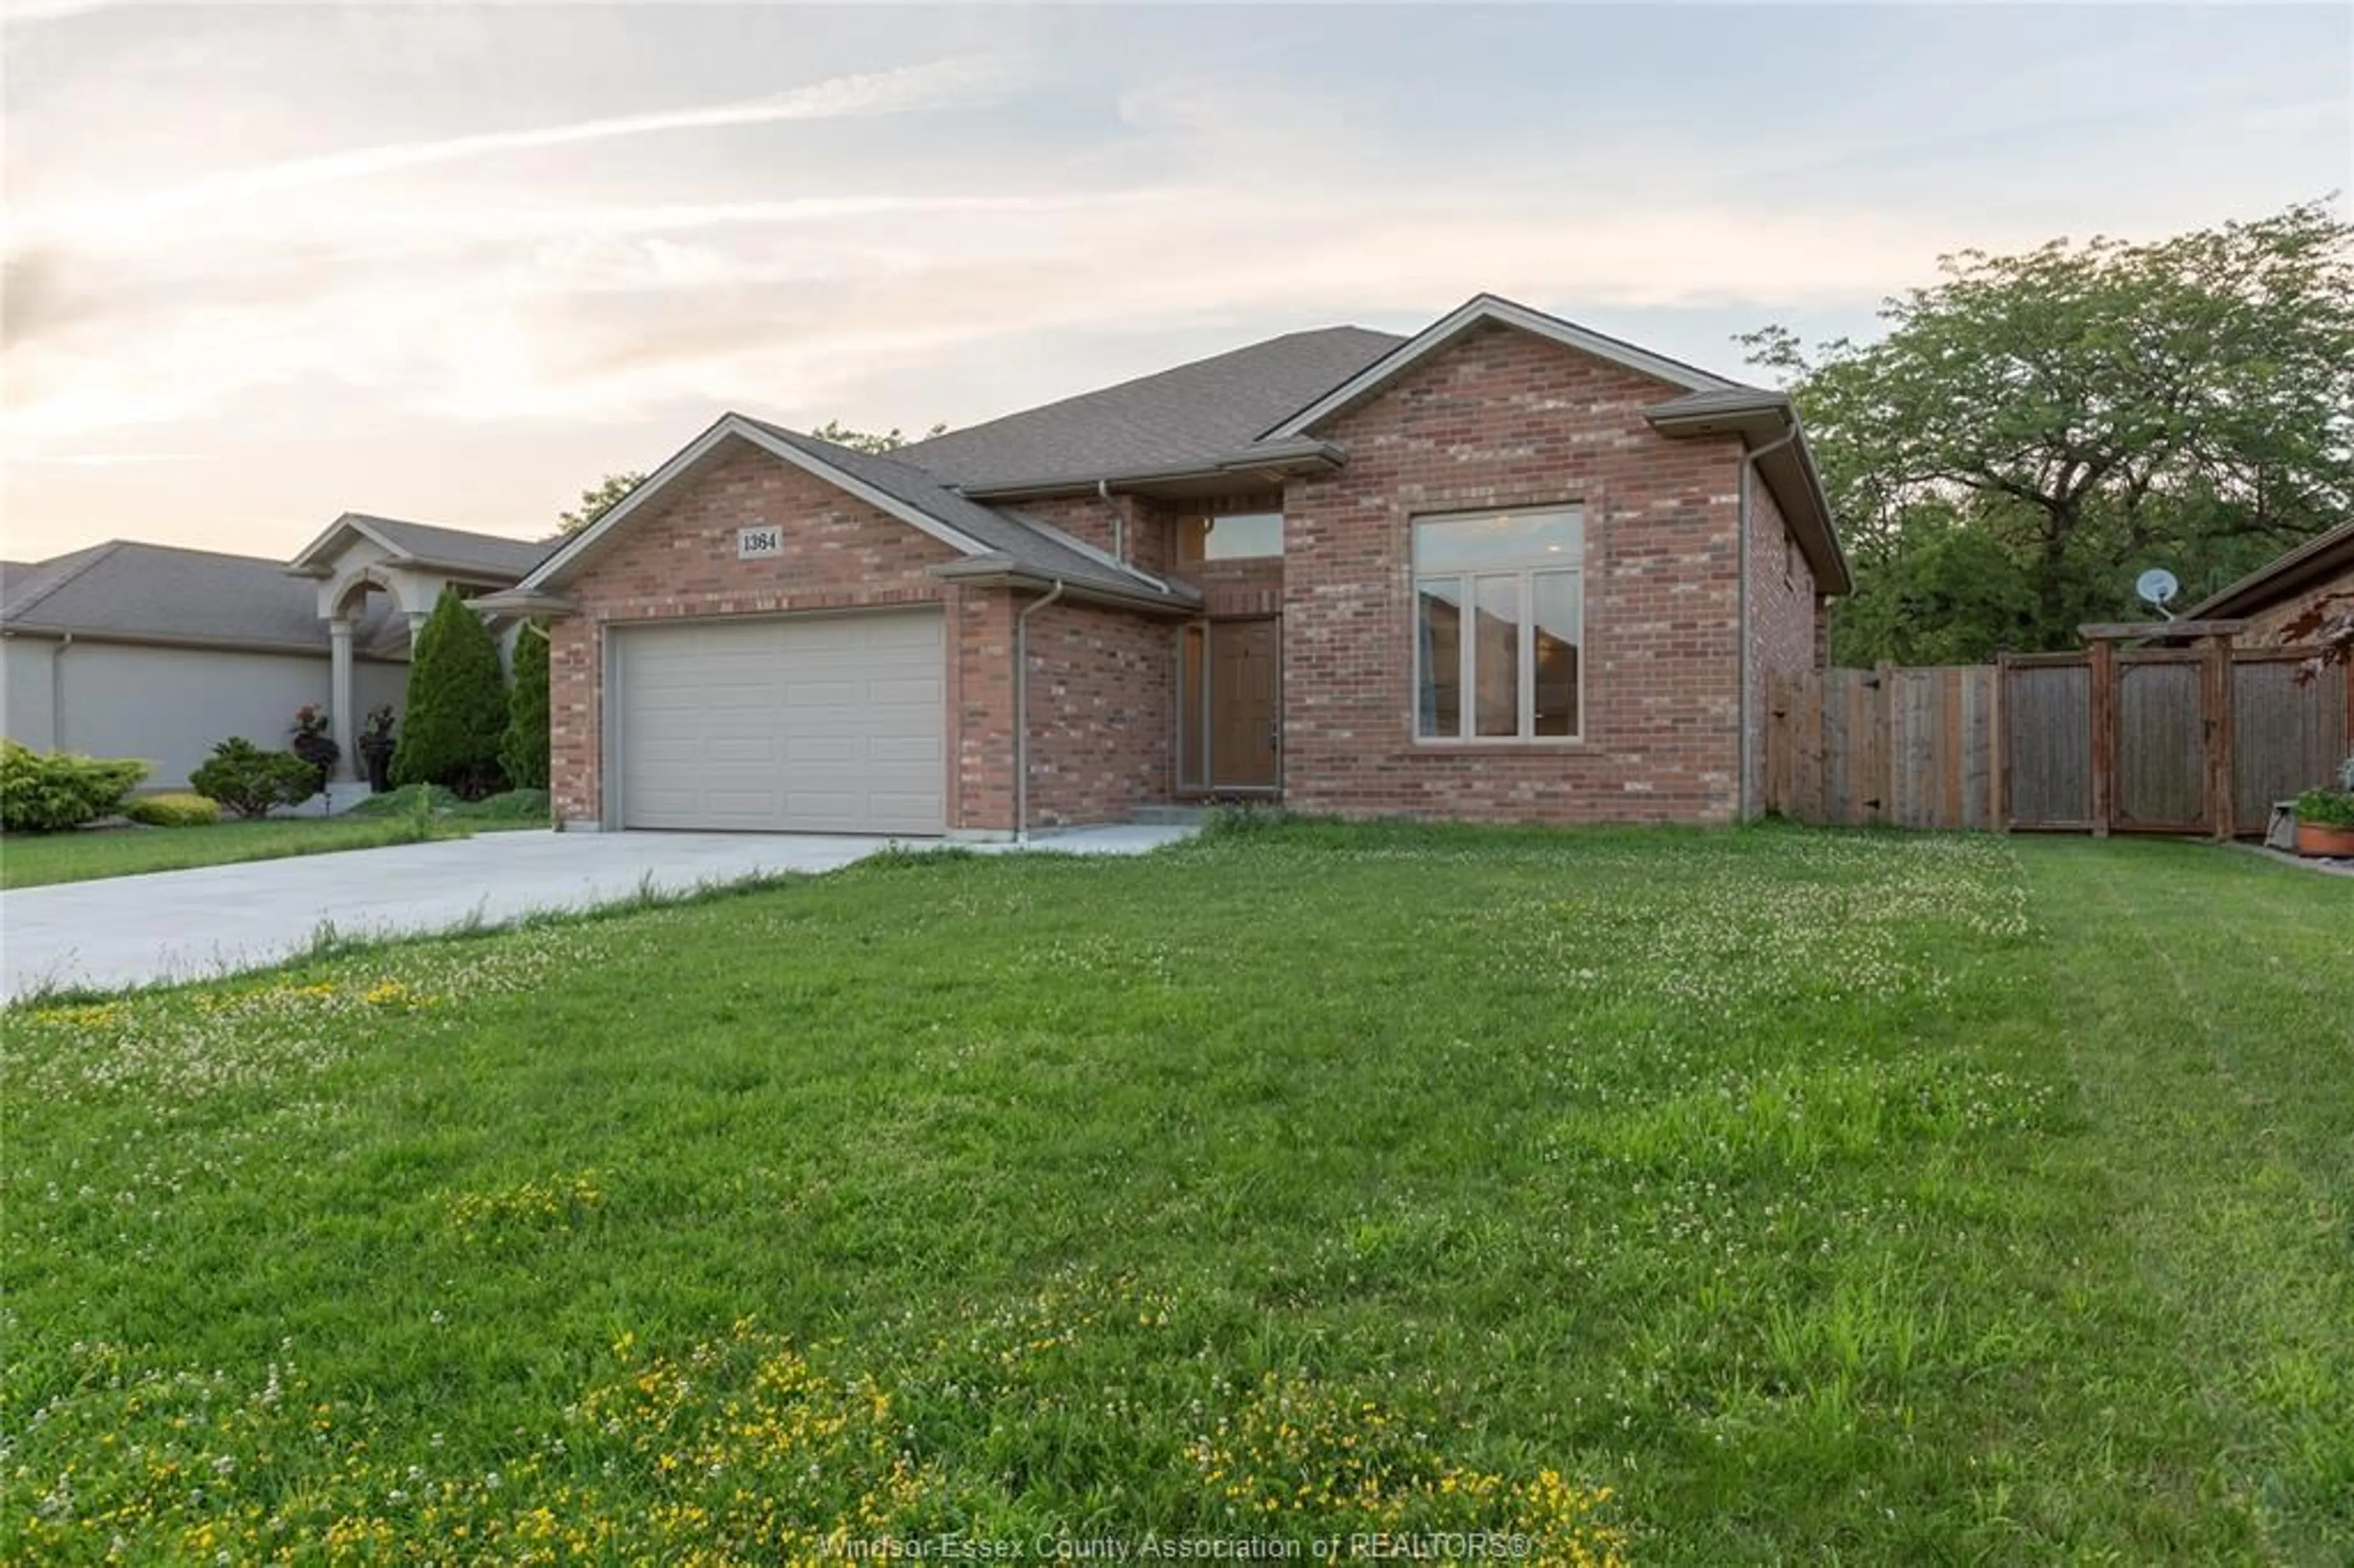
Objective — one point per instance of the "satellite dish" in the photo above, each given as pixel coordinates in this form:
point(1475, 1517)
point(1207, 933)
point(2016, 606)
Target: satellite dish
point(2156, 587)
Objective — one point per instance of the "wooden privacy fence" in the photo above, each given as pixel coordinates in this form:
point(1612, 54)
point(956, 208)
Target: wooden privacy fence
point(2168, 740)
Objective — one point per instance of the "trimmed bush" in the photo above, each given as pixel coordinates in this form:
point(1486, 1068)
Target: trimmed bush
point(48, 792)
point(173, 812)
point(525, 752)
point(514, 806)
point(457, 704)
point(250, 781)
point(402, 803)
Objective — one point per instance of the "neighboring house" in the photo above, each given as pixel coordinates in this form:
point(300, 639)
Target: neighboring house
point(364, 565)
point(149, 650)
point(2275, 594)
point(1508, 568)
point(155, 651)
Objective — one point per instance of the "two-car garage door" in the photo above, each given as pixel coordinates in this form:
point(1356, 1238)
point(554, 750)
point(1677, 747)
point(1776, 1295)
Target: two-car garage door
point(824, 724)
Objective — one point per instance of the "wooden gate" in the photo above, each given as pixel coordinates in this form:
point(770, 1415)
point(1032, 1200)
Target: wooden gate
point(2162, 726)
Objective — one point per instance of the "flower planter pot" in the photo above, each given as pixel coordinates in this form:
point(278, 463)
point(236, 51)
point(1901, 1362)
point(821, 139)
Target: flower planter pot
point(375, 753)
point(2318, 840)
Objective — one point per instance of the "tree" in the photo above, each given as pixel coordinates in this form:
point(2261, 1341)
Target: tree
point(457, 704)
point(889, 440)
point(598, 499)
point(2091, 410)
point(523, 752)
point(1952, 596)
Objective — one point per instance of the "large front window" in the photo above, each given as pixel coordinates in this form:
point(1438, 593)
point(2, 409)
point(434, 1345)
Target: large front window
point(1499, 602)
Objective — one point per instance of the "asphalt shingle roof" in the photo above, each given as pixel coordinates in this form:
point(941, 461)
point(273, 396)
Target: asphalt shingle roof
point(1177, 419)
point(127, 590)
point(1022, 543)
point(458, 547)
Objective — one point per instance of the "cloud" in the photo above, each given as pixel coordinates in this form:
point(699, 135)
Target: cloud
point(15, 13)
point(937, 84)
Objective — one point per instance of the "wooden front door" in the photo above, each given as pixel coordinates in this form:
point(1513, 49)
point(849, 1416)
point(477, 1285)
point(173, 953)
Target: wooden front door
point(1232, 712)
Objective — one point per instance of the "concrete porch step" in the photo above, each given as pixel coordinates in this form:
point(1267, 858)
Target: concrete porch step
point(343, 794)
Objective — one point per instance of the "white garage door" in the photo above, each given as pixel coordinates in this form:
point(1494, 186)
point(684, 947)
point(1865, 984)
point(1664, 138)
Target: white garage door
point(823, 725)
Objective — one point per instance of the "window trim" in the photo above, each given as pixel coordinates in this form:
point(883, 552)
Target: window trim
point(1468, 581)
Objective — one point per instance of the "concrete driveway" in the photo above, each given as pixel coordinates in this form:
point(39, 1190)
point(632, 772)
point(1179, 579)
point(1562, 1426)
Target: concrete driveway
point(183, 925)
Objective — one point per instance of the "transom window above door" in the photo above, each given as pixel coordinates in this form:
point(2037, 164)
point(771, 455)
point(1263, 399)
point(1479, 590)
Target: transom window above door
point(1499, 625)
point(1230, 537)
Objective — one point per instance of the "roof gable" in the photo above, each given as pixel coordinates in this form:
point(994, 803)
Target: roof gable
point(898, 489)
point(458, 552)
point(1483, 310)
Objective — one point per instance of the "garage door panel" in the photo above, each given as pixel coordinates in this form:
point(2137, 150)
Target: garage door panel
point(801, 750)
point(906, 691)
point(841, 692)
point(904, 631)
point(830, 724)
point(918, 749)
point(759, 748)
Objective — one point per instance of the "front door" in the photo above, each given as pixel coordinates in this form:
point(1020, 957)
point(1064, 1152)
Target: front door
point(1232, 712)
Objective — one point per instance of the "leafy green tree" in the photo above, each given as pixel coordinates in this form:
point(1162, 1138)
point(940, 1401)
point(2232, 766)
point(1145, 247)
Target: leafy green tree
point(2090, 410)
point(598, 499)
point(457, 704)
point(523, 752)
point(875, 441)
point(1952, 597)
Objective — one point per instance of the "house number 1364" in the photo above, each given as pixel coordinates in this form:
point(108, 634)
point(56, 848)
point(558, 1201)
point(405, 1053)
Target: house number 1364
point(751, 542)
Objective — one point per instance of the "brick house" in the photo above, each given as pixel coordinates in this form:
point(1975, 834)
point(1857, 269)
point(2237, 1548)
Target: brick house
point(2287, 588)
point(1506, 570)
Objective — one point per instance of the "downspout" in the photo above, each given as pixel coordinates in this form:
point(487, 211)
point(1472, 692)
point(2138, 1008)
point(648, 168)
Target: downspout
point(1748, 469)
point(1022, 710)
point(1118, 522)
point(58, 693)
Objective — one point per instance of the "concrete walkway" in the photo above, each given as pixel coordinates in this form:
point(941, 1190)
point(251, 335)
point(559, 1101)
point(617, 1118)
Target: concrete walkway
point(185, 924)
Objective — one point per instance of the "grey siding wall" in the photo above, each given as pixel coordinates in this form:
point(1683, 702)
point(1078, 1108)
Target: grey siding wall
point(27, 692)
point(167, 704)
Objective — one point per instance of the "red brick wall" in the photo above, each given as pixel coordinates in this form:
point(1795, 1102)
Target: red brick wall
point(1102, 682)
point(1783, 633)
point(678, 559)
point(1503, 419)
point(1091, 518)
point(1103, 694)
point(2267, 627)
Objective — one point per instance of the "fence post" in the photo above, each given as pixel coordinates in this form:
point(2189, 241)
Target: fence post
point(2221, 697)
point(1884, 743)
point(2101, 659)
point(1999, 747)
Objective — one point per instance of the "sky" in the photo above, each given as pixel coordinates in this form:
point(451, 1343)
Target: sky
point(266, 264)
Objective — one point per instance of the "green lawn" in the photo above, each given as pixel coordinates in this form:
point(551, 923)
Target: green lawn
point(31, 860)
point(1861, 1199)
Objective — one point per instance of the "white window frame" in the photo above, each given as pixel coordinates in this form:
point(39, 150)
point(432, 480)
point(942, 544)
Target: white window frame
point(1525, 574)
